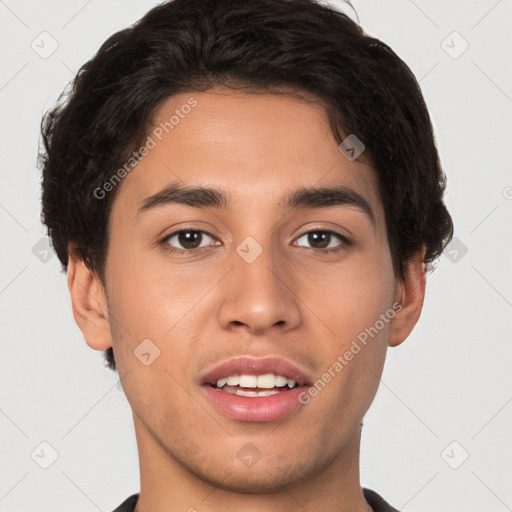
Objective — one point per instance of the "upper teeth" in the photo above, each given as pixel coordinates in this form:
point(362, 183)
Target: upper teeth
point(267, 380)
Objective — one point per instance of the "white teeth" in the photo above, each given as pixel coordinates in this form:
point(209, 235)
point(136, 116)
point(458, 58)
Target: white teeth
point(281, 381)
point(264, 381)
point(248, 381)
point(252, 394)
point(221, 382)
point(268, 393)
point(267, 380)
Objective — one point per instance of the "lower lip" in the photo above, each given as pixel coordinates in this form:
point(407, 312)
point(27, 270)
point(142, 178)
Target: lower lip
point(255, 409)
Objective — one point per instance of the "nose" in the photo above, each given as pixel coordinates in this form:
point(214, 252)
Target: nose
point(259, 296)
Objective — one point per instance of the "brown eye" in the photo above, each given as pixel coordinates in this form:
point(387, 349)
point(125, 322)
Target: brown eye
point(323, 240)
point(188, 239)
point(319, 239)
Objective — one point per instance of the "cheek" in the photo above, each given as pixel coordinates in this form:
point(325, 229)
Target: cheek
point(351, 299)
point(150, 299)
point(149, 295)
point(359, 311)
point(354, 354)
point(363, 321)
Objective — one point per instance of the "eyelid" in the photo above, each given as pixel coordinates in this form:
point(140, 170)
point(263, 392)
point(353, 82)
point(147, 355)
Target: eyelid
point(164, 240)
point(346, 242)
point(344, 239)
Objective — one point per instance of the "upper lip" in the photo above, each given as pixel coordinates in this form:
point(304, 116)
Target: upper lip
point(248, 365)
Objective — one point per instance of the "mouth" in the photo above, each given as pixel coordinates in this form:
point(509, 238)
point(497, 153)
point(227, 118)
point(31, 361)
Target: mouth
point(266, 384)
point(252, 389)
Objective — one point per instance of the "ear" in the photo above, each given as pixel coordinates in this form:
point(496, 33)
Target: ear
point(410, 293)
point(89, 304)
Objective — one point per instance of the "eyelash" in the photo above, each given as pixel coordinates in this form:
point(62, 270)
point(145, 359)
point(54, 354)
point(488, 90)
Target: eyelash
point(345, 241)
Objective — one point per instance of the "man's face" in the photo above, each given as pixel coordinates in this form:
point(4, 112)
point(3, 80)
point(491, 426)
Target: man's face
point(217, 297)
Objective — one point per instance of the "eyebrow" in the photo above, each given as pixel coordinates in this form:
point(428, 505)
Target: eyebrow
point(210, 197)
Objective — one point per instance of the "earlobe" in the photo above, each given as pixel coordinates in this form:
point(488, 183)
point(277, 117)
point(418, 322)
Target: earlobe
point(89, 304)
point(410, 294)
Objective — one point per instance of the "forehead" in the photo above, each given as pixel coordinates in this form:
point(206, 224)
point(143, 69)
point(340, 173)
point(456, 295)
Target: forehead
point(256, 147)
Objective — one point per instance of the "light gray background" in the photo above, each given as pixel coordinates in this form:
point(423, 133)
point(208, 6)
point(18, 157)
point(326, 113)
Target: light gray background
point(450, 381)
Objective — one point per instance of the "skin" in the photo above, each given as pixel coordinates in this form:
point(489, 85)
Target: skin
point(201, 308)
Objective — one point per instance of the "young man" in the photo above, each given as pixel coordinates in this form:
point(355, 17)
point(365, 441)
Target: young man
point(247, 197)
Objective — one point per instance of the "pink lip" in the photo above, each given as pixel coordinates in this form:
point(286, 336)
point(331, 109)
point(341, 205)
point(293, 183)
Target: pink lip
point(261, 408)
point(257, 409)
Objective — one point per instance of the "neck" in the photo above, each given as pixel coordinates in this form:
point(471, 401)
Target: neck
point(168, 486)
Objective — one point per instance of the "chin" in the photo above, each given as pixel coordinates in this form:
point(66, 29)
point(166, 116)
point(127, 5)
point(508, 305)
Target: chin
point(257, 481)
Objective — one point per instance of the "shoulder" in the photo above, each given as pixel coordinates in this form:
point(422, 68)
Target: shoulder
point(128, 504)
point(377, 502)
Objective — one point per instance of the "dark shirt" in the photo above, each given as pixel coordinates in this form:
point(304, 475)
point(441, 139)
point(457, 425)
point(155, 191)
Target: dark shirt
point(377, 503)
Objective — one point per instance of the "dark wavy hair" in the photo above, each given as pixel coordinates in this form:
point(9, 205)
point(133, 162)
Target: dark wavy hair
point(295, 47)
